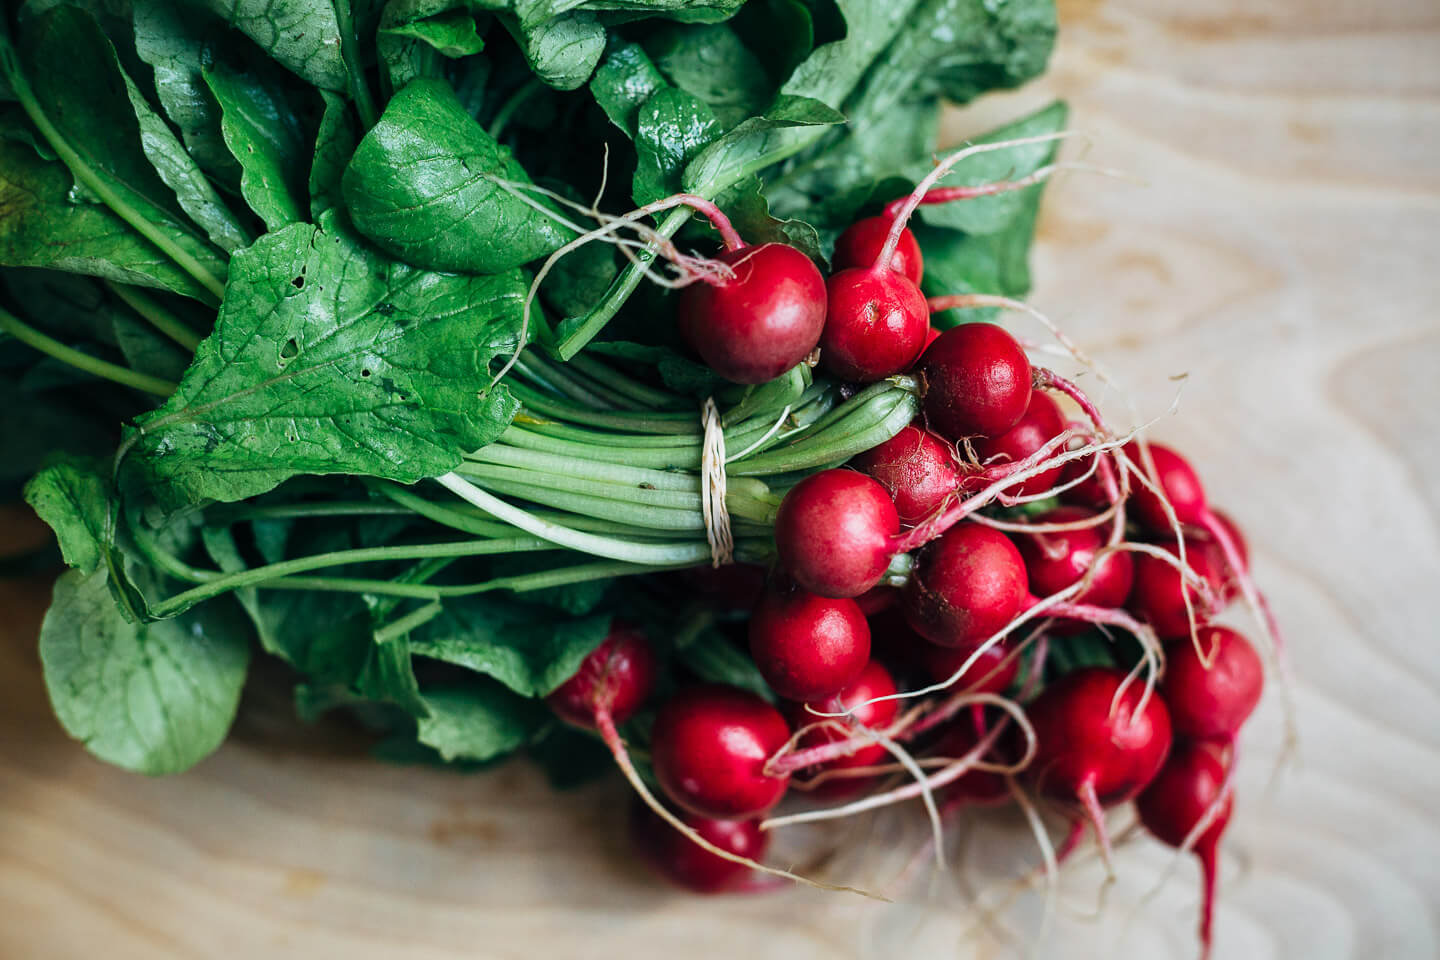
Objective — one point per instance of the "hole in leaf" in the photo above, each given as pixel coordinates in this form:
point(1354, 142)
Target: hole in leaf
point(299, 282)
point(289, 351)
point(365, 372)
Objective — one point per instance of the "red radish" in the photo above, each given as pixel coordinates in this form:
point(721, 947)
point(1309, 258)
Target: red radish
point(1155, 596)
point(1094, 748)
point(1187, 788)
point(993, 671)
point(753, 327)
point(877, 600)
point(874, 681)
point(734, 586)
point(808, 647)
point(686, 864)
point(977, 381)
point(834, 531)
point(860, 245)
point(1089, 492)
point(917, 468)
point(709, 747)
point(965, 586)
point(615, 679)
point(976, 786)
point(931, 336)
point(1212, 702)
point(875, 324)
point(1054, 561)
point(1174, 475)
point(1042, 422)
point(1231, 587)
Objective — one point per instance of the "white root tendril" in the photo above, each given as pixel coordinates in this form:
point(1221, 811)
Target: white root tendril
point(712, 488)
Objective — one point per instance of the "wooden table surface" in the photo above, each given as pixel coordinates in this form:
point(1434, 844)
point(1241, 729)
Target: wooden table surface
point(1285, 255)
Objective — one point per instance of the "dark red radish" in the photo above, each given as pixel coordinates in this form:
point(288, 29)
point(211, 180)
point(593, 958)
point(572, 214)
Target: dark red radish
point(960, 736)
point(763, 321)
point(1089, 492)
point(1205, 537)
point(616, 678)
point(1174, 475)
point(860, 245)
point(1042, 422)
point(977, 381)
point(1155, 594)
point(1093, 748)
point(1212, 702)
point(1191, 783)
point(878, 600)
point(917, 468)
point(965, 586)
point(875, 324)
point(686, 864)
point(834, 533)
point(709, 747)
point(931, 336)
point(1054, 561)
point(993, 671)
point(808, 647)
point(734, 586)
point(874, 681)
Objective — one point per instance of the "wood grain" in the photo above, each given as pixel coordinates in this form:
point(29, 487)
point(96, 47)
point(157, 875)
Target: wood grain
point(1283, 257)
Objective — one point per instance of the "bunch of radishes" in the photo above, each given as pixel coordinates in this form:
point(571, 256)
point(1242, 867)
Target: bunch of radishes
point(948, 561)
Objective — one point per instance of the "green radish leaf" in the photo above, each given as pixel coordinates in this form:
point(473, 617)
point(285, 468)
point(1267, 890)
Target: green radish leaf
point(529, 649)
point(388, 676)
point(329, 358)
point(65, 305)
point(563, 50)
point(154, 699)
point(712, 657)
point(424, 184)
point(43, 228)
point(479, 721)
point(91, 115)
point(402, 39)
point(300, 34)
point(749, 211)
point(450, 34)
point(623, 83)
point(174, 39)
point(993, 214)
point(334, 145)
point(73, 497)
point(671, 128)
point(757, 142)
point(147, 351)
point(713, 65)
point(269, 142)
point(781, 32)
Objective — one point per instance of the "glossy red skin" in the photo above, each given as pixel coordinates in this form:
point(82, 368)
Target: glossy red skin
point(917, 468)
point(756, 326)
point(1079, 741)
point(875, 324)
point(977, 381)
point(685, 863)
point(1216, 554)
point(734, 586)
point(808, 647)
point(874, 681)
point(976, 786)
point(965, 586)
point(878, 599)
point(833, 532)
point(931, 336)
point(1155, 595)
point(709, 746)
point(1178, 797)
point(1212, 703)
point(1043, 421)
point(1177, 478)
point(618, 675)
point(860, 245)
point(1175, 803)
point(1053, 561)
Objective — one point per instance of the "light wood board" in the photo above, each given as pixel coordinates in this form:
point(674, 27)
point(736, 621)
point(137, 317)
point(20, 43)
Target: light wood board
point(1285, 255)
